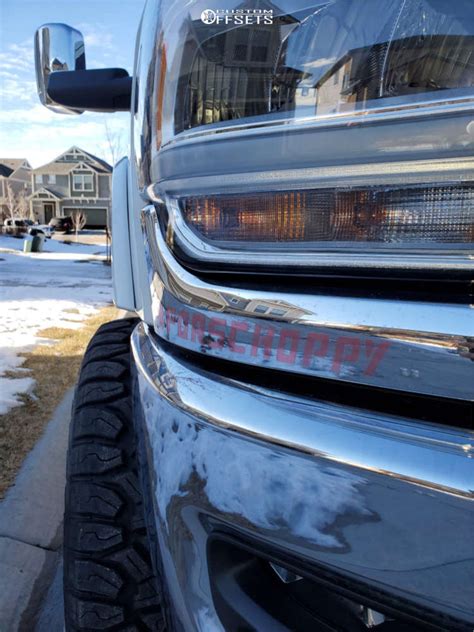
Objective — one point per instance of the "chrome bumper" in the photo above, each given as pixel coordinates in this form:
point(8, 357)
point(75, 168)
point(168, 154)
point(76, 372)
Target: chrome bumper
point(407, 346)
point(382, 500)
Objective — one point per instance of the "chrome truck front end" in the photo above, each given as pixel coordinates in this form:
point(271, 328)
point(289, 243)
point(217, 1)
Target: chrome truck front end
point(374, 508)
point(303, 374)
point(305, 378)
point(377, 507)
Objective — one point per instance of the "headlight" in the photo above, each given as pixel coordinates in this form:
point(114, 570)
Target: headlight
point(420, 226)
point(398, 219)
point(323, 135)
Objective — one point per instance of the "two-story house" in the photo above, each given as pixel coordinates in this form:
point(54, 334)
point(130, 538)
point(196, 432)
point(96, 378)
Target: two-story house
point(75, 180)
point(16, 174)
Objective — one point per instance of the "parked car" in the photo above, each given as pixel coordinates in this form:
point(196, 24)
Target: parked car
point(17, 225)
point(61, 224)
point(283, 438)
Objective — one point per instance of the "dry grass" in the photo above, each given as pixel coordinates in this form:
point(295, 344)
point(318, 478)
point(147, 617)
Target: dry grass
point(55, 368)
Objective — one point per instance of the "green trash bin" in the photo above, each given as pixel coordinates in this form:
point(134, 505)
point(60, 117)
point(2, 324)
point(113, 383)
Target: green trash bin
point(37, 243)
point(27, 244)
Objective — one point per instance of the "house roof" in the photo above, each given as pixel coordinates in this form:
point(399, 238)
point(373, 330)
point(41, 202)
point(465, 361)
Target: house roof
point(5, 171)
point(52, 192)
point(103, 163)
point(63, 168)
point(57, 168)
point(14, 163)
point(97, 169)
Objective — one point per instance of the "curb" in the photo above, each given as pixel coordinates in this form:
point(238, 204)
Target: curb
point(31, 517)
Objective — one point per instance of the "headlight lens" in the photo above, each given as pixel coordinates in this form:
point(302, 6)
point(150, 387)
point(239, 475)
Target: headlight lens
point(330, 135)
point(380, 217)
point(322, 59)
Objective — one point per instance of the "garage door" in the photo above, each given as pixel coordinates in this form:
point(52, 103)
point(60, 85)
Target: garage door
point(96, 217)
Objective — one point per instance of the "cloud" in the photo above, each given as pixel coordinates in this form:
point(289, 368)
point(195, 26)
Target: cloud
point(18, 57)
point(37, 114)
point(101, 49)
point(95, 37)
point(27, 129)
point(8, 74)
point(99, 39)
point(17, 75)
point(41, 135)
point(15, 90)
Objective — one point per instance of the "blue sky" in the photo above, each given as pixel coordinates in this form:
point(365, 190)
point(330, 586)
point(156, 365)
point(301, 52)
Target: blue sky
point(29, 130)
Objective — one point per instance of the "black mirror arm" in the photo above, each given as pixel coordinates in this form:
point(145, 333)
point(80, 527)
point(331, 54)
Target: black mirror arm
point(104, 90)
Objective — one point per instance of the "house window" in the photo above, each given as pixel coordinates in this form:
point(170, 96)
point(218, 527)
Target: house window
point(278, 312)
point(261, 309)
point(52, 178)
point(83, 182)
point(39, 178)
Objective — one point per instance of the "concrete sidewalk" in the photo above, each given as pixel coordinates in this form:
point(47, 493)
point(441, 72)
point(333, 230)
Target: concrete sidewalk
point(31, 519)
point(51, 617)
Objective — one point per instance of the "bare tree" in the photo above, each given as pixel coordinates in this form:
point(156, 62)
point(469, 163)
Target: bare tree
point(16, 202)
point(31, 214)
point(115, 143)
point(116, 149)
point(79, 220)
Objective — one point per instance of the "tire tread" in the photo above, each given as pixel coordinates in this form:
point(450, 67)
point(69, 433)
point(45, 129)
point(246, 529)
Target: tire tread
point(109, 582)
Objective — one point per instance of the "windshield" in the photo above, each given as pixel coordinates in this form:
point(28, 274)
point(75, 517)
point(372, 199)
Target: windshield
point(330, 58)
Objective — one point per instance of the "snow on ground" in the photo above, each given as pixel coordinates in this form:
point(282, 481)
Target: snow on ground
point(57, 288)
point(69, 247)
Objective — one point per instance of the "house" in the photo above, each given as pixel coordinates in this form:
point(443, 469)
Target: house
point(75, 180)
point(240, 63)
point(16, 174)
point(401, 67)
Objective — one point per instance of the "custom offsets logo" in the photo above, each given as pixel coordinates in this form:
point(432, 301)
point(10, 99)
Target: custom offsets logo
point(237, 16)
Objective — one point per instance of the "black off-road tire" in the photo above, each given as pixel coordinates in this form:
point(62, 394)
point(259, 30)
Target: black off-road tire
point(109, 583)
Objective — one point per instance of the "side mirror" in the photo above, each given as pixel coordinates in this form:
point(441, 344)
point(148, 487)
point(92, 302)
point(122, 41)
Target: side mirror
point(64, 85)
point(58, 47)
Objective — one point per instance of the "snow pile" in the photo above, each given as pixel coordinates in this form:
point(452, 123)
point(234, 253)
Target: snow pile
point(59, 288)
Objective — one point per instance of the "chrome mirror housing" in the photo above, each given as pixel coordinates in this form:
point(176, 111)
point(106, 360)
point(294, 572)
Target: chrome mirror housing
point(58, 47)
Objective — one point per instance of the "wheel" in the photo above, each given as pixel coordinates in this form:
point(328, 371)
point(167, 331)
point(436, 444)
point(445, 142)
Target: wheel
point(109, 583)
